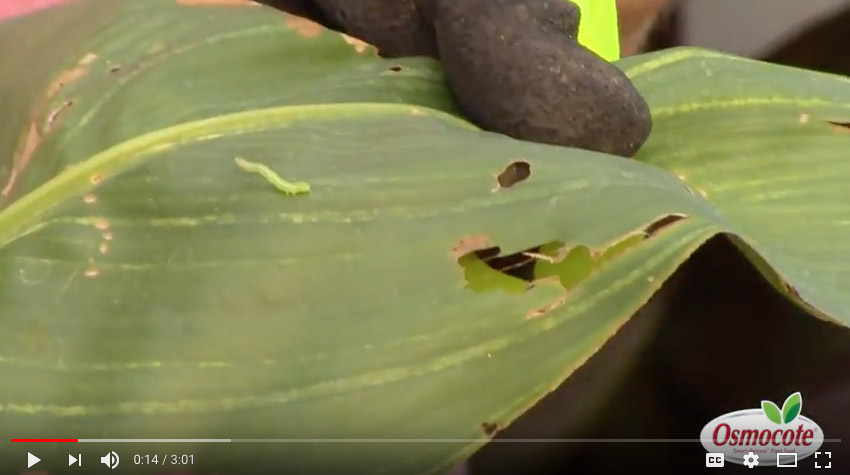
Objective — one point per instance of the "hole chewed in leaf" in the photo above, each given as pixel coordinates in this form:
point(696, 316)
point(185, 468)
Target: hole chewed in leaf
point(516, 172)
point(519, 265)
point(486, 269)
point(661, 223)
point(489, 428)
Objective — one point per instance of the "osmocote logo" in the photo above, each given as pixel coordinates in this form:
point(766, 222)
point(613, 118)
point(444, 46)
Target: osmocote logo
point(765, 432)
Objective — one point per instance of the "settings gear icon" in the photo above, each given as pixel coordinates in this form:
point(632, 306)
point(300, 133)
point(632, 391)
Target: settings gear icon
point(751, 460)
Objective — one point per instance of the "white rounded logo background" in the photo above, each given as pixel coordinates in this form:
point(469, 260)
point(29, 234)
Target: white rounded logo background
point(754, 419)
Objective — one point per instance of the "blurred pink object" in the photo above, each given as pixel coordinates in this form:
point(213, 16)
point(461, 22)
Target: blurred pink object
point(10, 8)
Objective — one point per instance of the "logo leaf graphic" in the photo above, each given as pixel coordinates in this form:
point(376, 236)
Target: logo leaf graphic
point(771, 411)
point(791, 407)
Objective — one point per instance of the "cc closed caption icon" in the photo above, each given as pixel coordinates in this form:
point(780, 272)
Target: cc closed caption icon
point(714, 459)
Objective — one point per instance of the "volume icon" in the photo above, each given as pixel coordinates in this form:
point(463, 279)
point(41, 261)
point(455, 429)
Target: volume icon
point(110, 460)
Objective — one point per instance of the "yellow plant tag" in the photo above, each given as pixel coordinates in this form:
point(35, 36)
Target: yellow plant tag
point(598, 30)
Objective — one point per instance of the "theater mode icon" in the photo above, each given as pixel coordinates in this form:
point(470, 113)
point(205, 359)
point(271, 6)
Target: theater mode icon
point(788, 460)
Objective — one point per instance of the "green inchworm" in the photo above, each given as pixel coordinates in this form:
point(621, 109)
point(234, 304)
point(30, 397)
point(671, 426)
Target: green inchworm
point(287, 187)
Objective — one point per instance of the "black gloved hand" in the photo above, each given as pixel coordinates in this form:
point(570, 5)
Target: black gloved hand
point(514, 66)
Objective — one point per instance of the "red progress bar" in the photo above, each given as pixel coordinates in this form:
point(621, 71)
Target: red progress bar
point(45, 440)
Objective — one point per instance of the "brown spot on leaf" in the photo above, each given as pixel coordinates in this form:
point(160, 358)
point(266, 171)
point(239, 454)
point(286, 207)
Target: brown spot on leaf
point(489, 428)
point(359, 45)
point(107, 236)
point(662, 223)
point(101, 224)
point(302, 26)
point(472, 243)
point(104, 248)
point(114, 68)
point(96, 179)
point(70, 75)
point(51, 118)
point(22, 156)
point(89, 198)
point(539, 312)
point(225, 3)
point(842, 128)
point(395, 69)
point(804, 118)
point(32, 136)
point(87, 59)
point(155, 48)
point(514, 173)
point(92, 272)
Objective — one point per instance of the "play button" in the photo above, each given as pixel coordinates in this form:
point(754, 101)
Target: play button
point(32, 460)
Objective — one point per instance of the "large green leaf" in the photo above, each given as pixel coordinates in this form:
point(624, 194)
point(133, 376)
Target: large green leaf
point(151, 288)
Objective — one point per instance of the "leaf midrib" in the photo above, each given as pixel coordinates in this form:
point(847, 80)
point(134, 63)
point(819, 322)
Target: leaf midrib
point(17, 219)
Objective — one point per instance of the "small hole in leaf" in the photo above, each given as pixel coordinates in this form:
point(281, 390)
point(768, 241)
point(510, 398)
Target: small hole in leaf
point(514, 173)
point(489, 428)
point(395, 69)
point(662, 223)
